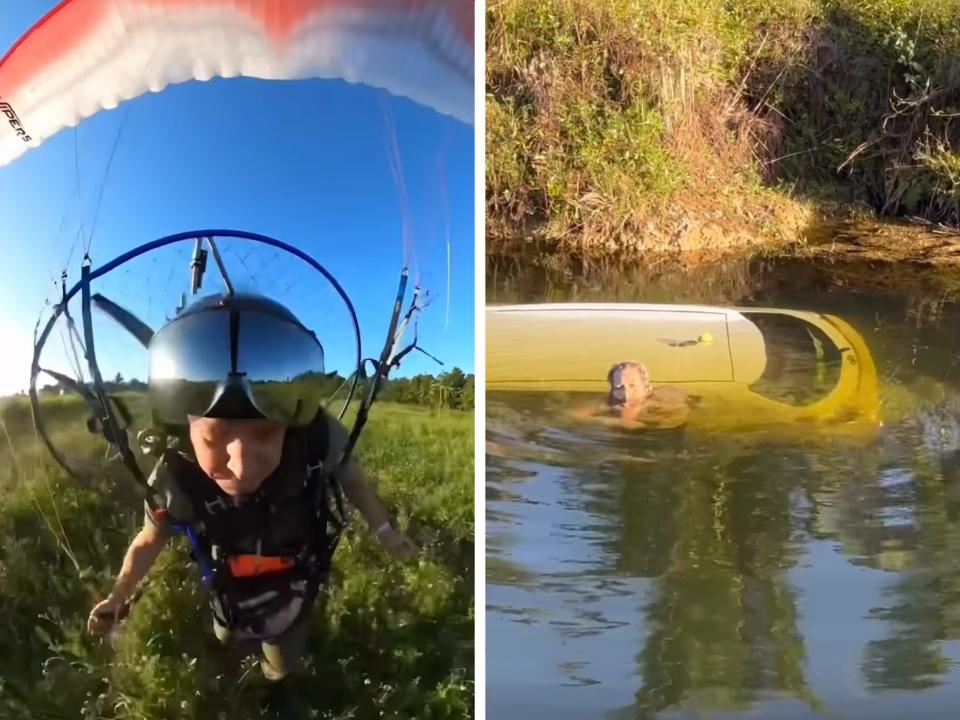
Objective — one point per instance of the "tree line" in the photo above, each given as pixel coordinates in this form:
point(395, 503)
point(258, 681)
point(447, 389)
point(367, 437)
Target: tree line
point(452, 390)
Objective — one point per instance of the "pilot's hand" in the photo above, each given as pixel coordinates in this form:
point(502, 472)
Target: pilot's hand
point(106, 614)
point(397, 544)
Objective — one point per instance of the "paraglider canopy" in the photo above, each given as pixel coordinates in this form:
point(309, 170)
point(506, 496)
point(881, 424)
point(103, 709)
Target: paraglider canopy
point(89, 55)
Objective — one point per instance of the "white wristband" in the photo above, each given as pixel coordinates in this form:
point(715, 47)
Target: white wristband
point(383, 528)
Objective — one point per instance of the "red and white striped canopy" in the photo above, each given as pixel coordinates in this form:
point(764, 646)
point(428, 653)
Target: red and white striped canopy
point(89, 55)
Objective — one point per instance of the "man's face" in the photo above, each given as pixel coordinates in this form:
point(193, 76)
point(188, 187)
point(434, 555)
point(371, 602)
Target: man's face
point(238, 455)
point(629, 384)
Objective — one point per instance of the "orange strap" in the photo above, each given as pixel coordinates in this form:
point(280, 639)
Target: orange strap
point(251, 565)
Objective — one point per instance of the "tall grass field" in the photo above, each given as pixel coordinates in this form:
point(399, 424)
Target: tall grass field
point(389, 639)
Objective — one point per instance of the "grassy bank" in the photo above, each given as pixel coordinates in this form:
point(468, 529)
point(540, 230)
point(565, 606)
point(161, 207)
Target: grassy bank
point(390, 639)
point(620, 127)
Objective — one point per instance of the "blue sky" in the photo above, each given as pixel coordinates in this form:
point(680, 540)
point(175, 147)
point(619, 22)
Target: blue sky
point(307, 162)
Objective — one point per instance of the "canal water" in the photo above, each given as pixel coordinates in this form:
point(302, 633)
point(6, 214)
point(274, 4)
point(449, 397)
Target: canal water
point(733, 571)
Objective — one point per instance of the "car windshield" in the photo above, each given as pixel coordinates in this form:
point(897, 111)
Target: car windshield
point(803, 364)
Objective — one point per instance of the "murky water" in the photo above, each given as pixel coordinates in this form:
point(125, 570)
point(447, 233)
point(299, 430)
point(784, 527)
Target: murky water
point(723, 570)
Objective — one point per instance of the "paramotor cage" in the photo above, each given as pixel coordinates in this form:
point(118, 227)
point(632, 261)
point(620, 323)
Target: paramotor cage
point(104, 411)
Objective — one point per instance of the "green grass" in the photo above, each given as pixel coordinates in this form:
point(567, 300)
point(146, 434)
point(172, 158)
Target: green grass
point(604, 117)
point(390, 639)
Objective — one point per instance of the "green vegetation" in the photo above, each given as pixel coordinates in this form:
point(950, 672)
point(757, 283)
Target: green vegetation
point(454, 390)
point(617, 125)
point(390, 639)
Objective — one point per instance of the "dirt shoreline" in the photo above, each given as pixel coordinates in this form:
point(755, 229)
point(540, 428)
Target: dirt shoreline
point(692, 236)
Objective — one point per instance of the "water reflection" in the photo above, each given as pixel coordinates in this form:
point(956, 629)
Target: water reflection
point(732, 570)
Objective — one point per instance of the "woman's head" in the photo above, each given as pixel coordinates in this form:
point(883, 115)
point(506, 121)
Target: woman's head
point(629, 384)
point(238, 455)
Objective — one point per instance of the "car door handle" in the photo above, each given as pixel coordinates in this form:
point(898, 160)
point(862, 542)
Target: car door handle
point(704, 339)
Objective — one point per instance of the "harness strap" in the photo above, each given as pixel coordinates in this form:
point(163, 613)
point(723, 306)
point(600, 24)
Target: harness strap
point(324, 486)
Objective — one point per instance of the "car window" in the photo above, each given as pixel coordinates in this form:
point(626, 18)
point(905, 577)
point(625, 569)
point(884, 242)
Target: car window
point(803, 363)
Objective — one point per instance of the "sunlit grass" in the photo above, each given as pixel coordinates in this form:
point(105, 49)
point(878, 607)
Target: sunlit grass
point(607, 119)
point(390, 639)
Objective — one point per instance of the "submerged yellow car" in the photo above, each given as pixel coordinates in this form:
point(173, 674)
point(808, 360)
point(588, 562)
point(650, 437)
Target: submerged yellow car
point(742, 367)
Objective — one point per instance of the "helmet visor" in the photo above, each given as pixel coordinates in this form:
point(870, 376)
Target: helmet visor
point(276, 364)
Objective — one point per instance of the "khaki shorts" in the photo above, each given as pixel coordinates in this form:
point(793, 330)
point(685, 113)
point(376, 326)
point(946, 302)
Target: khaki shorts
point(282, 655)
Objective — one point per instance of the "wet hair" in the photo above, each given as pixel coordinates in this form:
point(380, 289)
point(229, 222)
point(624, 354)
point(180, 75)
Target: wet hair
point(620, 367)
